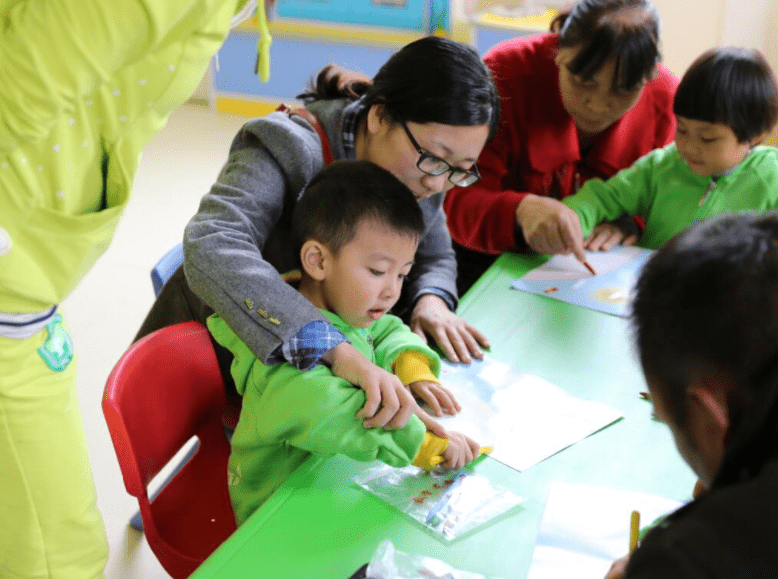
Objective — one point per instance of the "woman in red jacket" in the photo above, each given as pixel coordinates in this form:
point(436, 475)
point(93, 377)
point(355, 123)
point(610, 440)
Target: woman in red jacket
point(584, 101)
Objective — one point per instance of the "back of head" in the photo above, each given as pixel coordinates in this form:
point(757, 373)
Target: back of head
point(708, 300)
point(623, 31)
point(734, 86)
point(346, 193)
point(430, 80)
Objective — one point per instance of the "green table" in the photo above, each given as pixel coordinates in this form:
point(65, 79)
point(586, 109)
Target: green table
point(321, 524)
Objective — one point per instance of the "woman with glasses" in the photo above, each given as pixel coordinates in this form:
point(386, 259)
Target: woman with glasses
point(584, 101)
point(425, 117)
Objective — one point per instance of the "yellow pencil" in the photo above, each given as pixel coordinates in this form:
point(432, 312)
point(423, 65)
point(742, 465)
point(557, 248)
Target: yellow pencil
point(634, 530)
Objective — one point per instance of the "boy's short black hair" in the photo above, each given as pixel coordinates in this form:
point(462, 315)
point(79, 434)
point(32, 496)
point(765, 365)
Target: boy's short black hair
point(734, 86)
point(708, 300)
point(344, 194)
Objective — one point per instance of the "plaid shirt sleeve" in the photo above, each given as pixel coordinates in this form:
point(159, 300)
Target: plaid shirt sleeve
point(305, 349)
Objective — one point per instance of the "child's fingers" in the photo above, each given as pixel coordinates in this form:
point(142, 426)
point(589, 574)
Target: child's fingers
point(431, 399)
point(447, 400)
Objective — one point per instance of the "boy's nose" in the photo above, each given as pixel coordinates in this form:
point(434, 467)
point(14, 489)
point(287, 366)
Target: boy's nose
point(392, 289)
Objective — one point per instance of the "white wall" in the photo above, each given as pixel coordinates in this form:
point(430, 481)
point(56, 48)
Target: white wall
point(689, 27)
point(692, 26)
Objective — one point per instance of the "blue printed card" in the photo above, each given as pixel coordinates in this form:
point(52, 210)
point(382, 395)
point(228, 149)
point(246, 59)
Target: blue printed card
point(565, 279)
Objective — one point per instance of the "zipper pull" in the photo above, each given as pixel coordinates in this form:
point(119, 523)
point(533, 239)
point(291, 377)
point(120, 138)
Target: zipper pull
point(702, 200)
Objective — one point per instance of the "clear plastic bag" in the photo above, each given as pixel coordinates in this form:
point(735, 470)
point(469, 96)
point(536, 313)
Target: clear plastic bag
point(387, 563)
point(447, 502)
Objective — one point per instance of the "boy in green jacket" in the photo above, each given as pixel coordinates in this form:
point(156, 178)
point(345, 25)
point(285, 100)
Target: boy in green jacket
point(726, 104)
point(357, 228)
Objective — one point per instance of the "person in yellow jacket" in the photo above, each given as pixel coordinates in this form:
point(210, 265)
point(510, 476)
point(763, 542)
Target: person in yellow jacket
point(85, 85)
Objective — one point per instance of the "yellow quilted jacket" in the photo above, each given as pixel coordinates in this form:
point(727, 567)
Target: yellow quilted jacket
point(85, 85)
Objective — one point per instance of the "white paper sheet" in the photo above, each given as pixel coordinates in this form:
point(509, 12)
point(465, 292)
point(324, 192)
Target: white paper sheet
point(586, 528)
point(524, 417)
point(565, 279)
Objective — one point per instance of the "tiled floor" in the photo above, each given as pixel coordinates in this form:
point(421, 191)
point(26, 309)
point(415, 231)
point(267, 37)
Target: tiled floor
point(105, 311)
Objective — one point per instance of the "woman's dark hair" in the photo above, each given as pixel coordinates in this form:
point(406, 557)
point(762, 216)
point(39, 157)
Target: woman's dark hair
point(344, 194)
point(708, 300)
point(733, 86)
point(430, 80)
point(623, 31)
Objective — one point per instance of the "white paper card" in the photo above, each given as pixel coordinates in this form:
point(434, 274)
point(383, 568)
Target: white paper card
point(586, 528)
point(524, 417)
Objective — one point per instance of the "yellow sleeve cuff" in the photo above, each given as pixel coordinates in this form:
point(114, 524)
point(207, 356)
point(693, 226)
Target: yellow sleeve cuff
point(412, 366)
point(431, 452)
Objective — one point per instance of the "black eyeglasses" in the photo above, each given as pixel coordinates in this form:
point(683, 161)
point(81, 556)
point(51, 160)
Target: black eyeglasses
point(432, 165)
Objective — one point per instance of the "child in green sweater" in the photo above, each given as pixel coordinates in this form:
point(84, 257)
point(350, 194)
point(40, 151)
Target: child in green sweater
point(726, 104)
point(357, 228)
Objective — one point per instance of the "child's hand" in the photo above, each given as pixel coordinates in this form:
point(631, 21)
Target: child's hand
point(604, 236)
point(439, 399)
point(460, 451)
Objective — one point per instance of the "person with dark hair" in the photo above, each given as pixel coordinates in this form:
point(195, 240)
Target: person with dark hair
point(355, 230)
point(424, 117)
point(726, 104)
point(705, 319)
point(585, 101)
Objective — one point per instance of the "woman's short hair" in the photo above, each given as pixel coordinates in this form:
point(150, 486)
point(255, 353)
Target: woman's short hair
point(623, 31)
point(733, 86)
point(430, 80)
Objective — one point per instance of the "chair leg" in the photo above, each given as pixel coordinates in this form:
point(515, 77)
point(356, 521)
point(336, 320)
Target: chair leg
point(135, 521)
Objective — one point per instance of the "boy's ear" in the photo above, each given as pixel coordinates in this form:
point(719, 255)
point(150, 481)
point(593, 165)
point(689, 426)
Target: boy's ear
point(707, 396)
point(759, 139)
point(376, 116)
point(314, 256)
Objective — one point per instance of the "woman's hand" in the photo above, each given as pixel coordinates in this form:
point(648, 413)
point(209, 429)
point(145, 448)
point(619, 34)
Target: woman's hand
point(622, 231)
point(389, 403)
point(458, 339)
point(460, 451)
point(551, 227)
point(439, 399)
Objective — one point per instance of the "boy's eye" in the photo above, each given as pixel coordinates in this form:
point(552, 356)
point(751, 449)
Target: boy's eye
point(708, 139)
point(376, 272)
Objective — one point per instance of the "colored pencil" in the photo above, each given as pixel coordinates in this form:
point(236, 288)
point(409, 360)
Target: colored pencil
point(634, 530)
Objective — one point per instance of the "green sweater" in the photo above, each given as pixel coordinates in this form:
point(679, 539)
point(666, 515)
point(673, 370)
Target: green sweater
point(289, 414)
point(661, 187)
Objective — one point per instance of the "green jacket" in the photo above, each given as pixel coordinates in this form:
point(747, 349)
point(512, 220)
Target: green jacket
point(661, 187)
point(289, 414)
point(85, 85)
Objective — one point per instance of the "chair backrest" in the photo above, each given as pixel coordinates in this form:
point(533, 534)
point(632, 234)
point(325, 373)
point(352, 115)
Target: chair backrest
point(164, 390)
point(166, 266)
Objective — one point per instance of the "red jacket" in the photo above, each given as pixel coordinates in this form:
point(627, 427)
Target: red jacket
point(536, 149)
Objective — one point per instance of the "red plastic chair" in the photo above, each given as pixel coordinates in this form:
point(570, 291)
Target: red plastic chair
point(165, 389)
